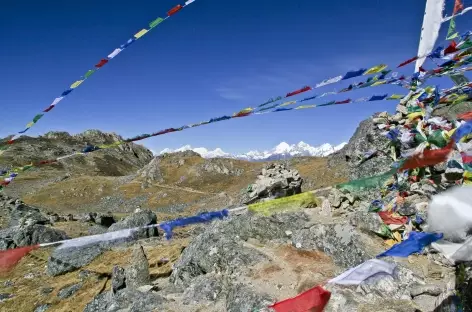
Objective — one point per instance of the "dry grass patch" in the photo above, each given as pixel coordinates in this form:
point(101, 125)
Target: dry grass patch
point(27, 293)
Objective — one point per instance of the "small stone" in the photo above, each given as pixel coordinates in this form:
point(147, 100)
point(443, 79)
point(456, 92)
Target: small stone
point(68, 291)
point(288, 233)
point(432, 290)
point(41, 308)
point(118, 279)
point(29, 276)
point(298, 245)
point(145, 288)
point(5, 296)
point(46, 291)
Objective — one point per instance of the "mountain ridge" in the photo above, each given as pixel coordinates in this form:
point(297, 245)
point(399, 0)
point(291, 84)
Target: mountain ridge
point(282, 151)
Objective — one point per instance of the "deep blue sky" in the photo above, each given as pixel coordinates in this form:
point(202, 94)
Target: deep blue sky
point(212, 58)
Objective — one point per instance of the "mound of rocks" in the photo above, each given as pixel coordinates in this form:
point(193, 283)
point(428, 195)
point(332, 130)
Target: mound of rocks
point(274, 181)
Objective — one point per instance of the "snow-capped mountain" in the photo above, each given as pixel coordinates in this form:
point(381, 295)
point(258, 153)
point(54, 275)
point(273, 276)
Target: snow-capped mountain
point(281, 151)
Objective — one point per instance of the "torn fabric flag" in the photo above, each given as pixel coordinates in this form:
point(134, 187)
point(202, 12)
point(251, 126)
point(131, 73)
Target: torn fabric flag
point(428, 158)
point(110, 56)
point(66, 92)
point(354, 73)
point(141, 33)
point(309, 98)
point(408, 61)
point(378, 97)
point(389, 218)
point(313, 300)
point(462, 131)
point(304, 89)
point(375, 69)
point(201, 218)
point(329, 81)
point(360, 273)
point(415, 242)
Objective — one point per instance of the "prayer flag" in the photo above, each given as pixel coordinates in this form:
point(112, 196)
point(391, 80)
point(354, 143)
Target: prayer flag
point(408, 61)
point(140, 33)
point(313, 300)
point(353, 73)
point(360, 273)
point(174, 10)
point(156, 22)
point(91, 71)
point(329, 81)
point(101, 63)
point(112, 55)
point(375, 69)
point(415, 243)
point(288, 103)
point(304, 89)
point(76, 84)
point(66, 92)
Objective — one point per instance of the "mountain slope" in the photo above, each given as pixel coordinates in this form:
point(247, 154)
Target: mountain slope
point(281, 151)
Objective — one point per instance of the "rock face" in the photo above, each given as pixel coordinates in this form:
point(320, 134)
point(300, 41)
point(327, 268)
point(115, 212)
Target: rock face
point(274, 181)
point(366, 139)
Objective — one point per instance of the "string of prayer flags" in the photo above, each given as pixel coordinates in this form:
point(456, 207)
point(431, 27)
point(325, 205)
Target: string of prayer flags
point(415, 243)
point(102, 63)
point(314, 299)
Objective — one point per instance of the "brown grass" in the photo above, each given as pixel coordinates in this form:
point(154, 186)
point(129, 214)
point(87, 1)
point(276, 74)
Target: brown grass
point(27, 291)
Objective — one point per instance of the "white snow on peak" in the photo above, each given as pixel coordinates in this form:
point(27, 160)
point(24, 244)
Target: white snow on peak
point(281, 151)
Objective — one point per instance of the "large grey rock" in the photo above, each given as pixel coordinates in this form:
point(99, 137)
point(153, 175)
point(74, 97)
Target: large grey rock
point(367, 221)
point(19, 236)
point(241, 298)
point(208, 287)
point(219, 249)
point(347, 246)
point(22, 213)
point(137, 272)
point(275, 181)
point(70, 259)
point(125, 300)
point(139, 219)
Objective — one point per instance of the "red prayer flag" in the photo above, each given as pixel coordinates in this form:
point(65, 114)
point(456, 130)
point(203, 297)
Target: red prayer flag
point(343, 102)
point(466, 158)
point(457, 7)
point(465, 116)
point(312, 300)
point(101, 63)
point(408, 61)
point(48, 109)
point(174, 10)
point(10, 257)
point(387, 218)
point(428, 158)
point(304, 89)
point(451, 48)
point(4, 183)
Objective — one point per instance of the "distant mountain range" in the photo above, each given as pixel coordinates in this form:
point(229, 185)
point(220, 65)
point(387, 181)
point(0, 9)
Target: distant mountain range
point(281, 151)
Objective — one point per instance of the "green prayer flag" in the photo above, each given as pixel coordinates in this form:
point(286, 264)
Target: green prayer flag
point(37, 117)
point(467, 167)
point(437, 138)
point(156, 22)
point(366, 183)
point(459, 79)
point(89, 73)
point(451, 32)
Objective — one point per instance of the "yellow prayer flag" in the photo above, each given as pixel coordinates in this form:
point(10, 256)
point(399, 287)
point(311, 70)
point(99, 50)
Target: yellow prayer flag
point(415, 115)
point(140, 33)
point(375, 69)
point(397, 236)
point(395, 97)
point(290, 203)
point(288, 103)
point(30, 124)
point(378, 83)
point(76, 84)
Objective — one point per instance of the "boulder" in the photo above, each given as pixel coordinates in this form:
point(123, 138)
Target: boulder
point(19, 236)
point(137, 271)
point(69, 291)
point(275, 181)
point(66, 260)
point(139, 219)
point(24, 214)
